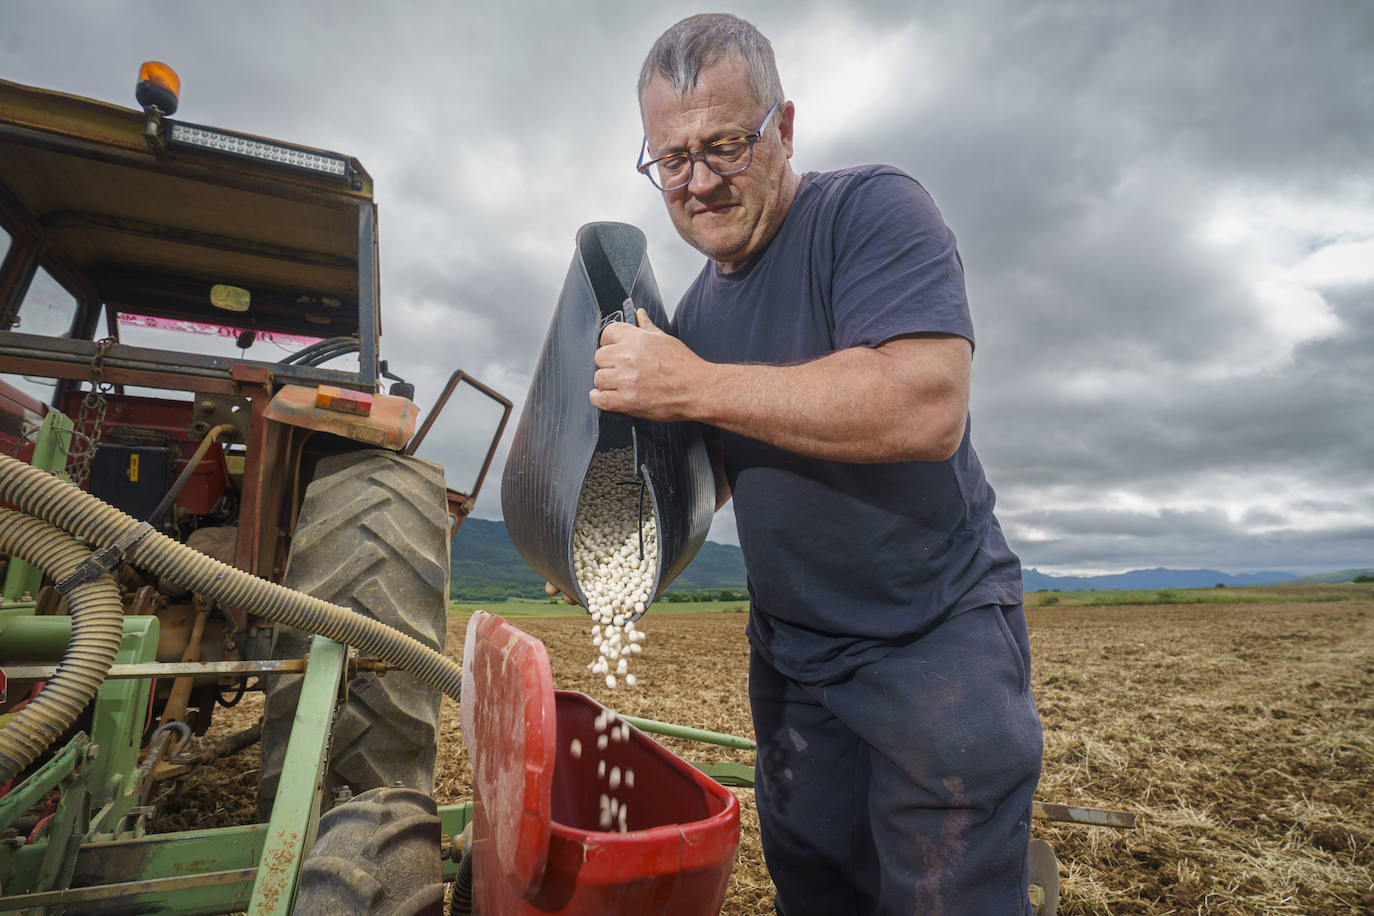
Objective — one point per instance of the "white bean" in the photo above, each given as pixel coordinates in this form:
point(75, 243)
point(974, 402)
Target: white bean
point(615, 557)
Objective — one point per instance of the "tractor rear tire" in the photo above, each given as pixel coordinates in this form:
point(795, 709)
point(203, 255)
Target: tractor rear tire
point(372, 536)
point(376, 854)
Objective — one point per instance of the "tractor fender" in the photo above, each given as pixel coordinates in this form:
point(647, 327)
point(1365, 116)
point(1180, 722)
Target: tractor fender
point(379, 420)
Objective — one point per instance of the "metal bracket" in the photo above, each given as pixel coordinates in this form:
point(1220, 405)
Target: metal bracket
point(212, 410)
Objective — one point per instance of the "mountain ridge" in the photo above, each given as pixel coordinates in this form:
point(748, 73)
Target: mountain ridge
point(486, 565)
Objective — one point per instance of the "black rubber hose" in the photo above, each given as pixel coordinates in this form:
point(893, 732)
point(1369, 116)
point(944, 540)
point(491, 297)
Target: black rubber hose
point(339, 344)
point(324, 356)
point(97, 628)
point(40, 494)
point(460, 903)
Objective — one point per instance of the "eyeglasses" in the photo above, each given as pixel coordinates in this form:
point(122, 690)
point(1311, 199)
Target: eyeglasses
point(724, 157)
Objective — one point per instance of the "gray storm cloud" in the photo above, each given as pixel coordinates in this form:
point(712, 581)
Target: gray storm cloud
point(1164, 212)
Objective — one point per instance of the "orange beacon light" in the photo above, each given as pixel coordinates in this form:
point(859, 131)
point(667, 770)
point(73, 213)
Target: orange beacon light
point(158, 87)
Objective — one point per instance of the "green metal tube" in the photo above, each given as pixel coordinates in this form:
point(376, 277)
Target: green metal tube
point(34, 639)
point(691, 734)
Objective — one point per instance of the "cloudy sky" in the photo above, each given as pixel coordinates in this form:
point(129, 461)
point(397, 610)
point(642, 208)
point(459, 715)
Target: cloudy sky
point(1165, 211)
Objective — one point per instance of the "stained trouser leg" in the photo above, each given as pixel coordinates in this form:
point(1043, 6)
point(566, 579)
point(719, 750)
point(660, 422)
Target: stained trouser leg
point(955, 749)
point(905, 788)
point(810, 786)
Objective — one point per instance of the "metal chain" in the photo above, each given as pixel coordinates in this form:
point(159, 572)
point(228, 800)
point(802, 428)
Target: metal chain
point(79, 458)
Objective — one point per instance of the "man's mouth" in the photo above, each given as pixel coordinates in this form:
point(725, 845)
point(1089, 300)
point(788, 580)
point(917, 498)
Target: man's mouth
point(715, 208)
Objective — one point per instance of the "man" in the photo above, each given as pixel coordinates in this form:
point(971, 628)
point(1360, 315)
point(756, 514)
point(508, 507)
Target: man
point(825, 346)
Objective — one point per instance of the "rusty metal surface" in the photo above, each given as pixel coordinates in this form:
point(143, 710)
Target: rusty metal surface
point(177, 622)
point(260, 498)
point(64, 357)
point(1077, 814)
point(175, 708)
point(389, 424)
point(146, 602)
point(214, 410)
point(459, 506)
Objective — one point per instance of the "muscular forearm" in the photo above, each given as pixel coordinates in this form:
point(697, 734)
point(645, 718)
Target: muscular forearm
point(905, 401)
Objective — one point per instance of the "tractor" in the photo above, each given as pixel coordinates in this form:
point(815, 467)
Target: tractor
point(190, 334)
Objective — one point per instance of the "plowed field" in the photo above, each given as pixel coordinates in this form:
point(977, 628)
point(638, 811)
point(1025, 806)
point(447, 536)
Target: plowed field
point(1241, 735)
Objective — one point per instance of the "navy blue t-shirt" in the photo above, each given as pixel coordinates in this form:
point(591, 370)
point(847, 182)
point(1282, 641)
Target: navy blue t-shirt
point(846, 560)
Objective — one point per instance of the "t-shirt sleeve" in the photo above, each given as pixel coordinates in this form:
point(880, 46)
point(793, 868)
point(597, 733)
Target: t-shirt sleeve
point(896, 268)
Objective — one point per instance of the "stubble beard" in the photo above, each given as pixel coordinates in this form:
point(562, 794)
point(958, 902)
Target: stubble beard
point(714, 243)
point(723, 250)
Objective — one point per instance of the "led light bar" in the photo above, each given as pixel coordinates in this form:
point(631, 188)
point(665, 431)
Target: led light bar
point(252, 148)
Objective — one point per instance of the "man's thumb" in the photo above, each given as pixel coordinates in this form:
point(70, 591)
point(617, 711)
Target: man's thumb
point(642, 320)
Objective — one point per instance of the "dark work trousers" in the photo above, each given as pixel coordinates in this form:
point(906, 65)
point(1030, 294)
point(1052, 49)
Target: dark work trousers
point(906, 787)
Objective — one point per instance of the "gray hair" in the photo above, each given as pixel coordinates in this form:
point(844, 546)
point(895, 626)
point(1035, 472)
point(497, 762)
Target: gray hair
point(698, 42)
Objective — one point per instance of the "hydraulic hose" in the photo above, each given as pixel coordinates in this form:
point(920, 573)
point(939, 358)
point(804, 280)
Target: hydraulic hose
point(223, 429)
point(97, 628)
point(460, 903)
point(44, 496)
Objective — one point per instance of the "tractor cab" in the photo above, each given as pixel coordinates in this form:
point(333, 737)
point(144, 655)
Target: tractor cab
point(160, 279)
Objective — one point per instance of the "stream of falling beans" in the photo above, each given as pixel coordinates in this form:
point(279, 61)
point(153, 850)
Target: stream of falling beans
point(615, 559)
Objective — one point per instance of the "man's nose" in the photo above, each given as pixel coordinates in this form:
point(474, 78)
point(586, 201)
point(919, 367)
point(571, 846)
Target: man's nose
point(702, 180)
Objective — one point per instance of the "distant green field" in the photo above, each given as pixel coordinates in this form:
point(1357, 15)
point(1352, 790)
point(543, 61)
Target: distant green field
point(1274, 594)
point(464, 609)
point(1271, 594)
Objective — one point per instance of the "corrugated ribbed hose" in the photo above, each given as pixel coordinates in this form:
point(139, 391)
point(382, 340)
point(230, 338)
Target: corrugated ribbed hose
point(39, 494)
point(97, 627)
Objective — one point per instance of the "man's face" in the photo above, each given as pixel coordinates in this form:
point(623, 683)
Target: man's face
point(728, 219)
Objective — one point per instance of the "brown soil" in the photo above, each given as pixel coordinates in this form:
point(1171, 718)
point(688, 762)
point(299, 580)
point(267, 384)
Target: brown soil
point(1241, 735)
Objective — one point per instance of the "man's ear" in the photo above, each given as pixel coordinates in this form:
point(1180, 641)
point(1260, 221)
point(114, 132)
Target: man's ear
point(786, 113)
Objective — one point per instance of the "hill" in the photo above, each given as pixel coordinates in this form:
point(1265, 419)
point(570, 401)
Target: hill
point(1340, 575)
point(486, 566)
point(715, 567)
point(1035, 581)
